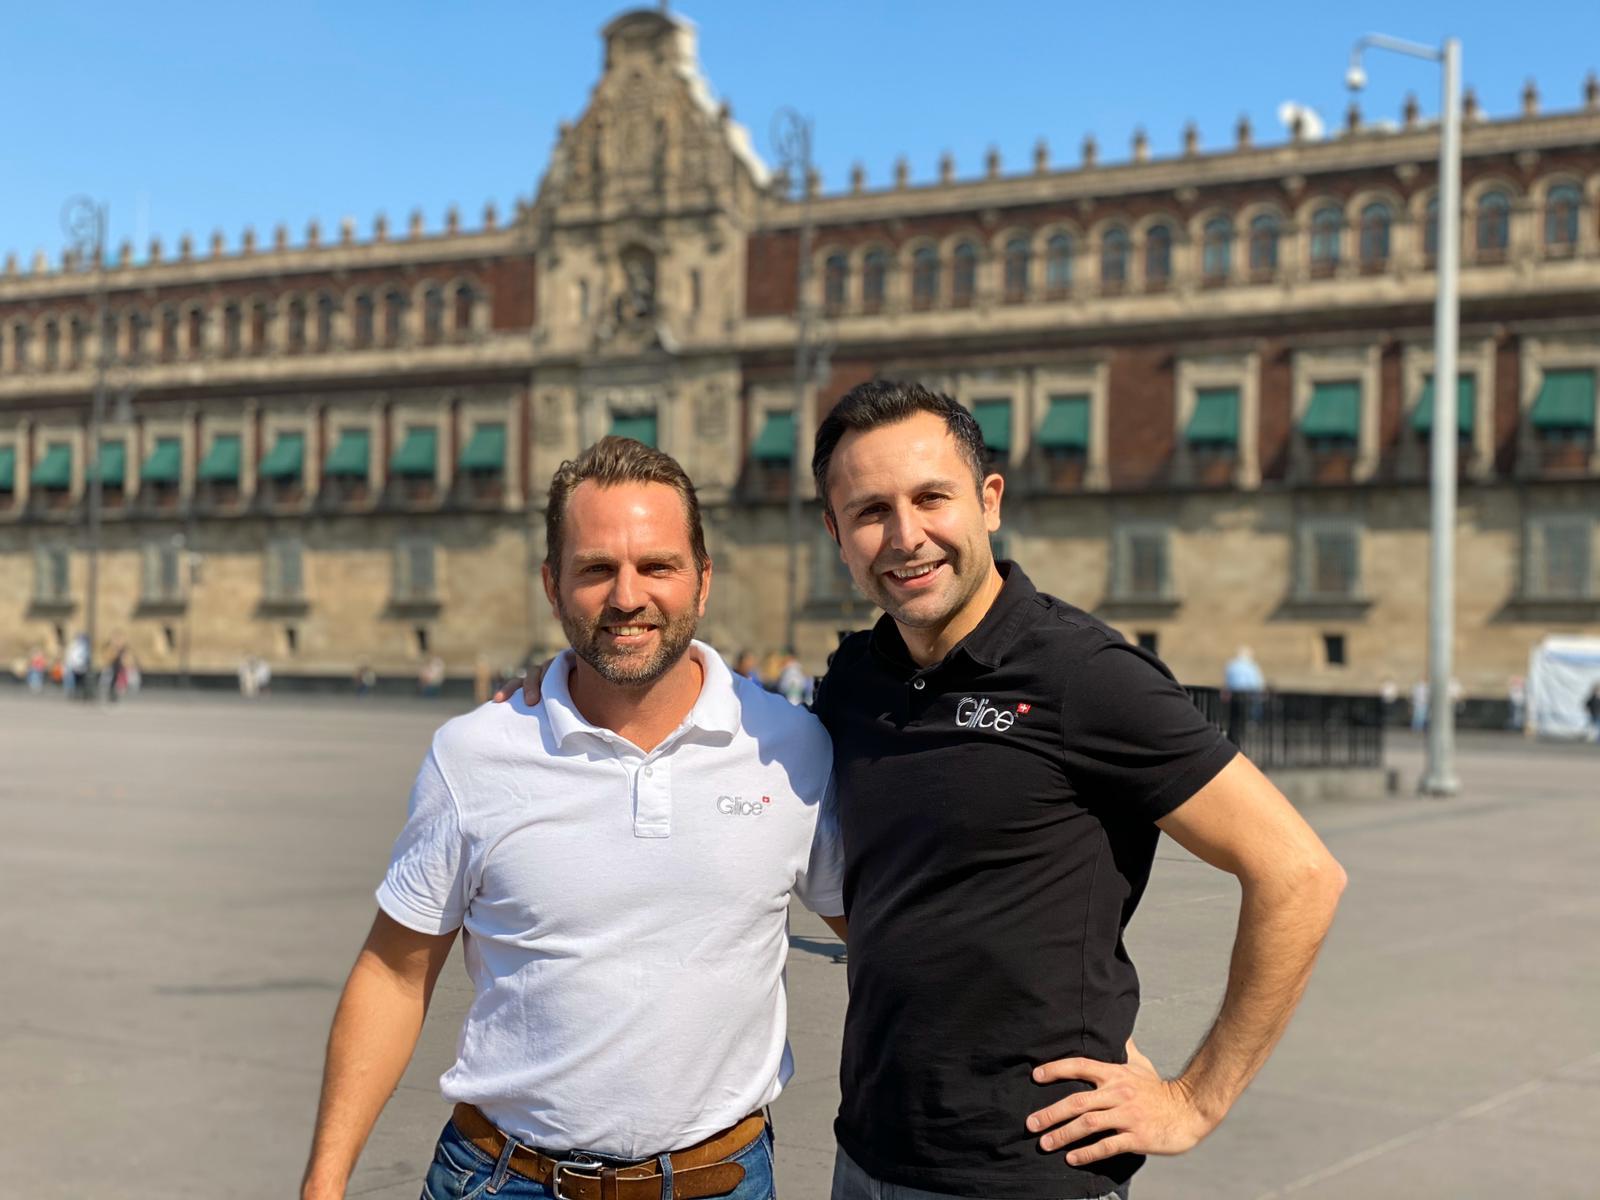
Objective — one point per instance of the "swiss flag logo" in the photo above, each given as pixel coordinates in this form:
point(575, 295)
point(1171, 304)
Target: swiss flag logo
point(766, 799)
point(1024, 708)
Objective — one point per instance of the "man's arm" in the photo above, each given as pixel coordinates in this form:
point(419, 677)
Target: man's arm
point(837, 924)
point(375, 1030)
point(1290, 885)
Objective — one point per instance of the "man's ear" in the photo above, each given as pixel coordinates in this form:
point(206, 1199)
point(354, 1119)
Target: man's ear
point(831, 525)
point(549, 578)
point(705, 586)
point(994, 486)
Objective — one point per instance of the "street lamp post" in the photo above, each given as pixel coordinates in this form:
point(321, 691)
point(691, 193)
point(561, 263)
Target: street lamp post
point(1439, 777)
point(791, 138)
point(85, 223)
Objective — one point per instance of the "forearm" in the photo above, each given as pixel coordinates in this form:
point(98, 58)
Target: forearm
point(1281, 928)
point(375, 1030)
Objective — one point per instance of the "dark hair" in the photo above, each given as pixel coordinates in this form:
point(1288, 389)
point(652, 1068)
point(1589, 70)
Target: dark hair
point(610, 461)
point(885, 402)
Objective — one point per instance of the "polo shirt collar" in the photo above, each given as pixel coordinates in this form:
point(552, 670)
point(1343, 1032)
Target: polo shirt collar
point(986, 645)
point(716, 710)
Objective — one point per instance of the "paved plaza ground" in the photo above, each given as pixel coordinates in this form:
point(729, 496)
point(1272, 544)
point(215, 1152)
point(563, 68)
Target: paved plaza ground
point(190, 878)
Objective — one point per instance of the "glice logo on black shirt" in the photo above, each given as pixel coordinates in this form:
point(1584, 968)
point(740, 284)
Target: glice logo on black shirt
point(975, 712)
point(738, 806)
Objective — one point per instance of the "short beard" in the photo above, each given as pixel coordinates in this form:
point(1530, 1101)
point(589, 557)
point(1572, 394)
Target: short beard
point(673, 638)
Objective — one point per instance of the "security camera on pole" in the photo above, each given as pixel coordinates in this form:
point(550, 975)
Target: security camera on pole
point(1439, 777)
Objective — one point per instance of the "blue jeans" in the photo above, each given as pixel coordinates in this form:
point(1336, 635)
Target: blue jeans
point(851, 1182)
point(460, 1171)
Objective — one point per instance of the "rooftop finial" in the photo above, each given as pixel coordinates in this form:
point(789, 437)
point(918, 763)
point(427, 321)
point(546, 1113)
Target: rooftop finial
point(155, 249)
point(1242, 132)
point(185, 248)
point(1041, 156)
point(452, 219)
point(902, 172)
point(1091, 150)
point(280, 236)
point(1352, 116)
point(416, 226)
point(1141, 145)
point(491, 215)
point(247, 241)
point(1530, 99)
point(1191, 139)
point(1297, 125)
point(1469, 105)
point(380, 228)
point(813, 183)
point(347, 231)
point(11, 263)
point(947, 167)
point(991, 162)
point(313, 232)
point(1412, 112)
point(858, 179)
point(125, 254)
point(1591, 91)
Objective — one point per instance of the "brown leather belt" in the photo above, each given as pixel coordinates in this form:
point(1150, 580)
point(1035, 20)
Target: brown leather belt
point(698, 1171)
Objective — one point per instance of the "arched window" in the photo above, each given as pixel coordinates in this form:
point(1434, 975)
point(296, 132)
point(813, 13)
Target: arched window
point(21, 335)
point(467, 299)
point(1376, 221)
point(1058, 264)
point(964, 273)
point(1561, 217)
point(1264, 233)
point(1216, 248)
point(1494, 223)
point(197, 332)
point(232, 329)
point(1019, 262)
point(258, 327)
point(362, 334)
point(79, 337)
point(925, 277)
point(1114, 257)
point(394, 317)
point(1430, 230)
point(874, 279)
point(170, 325)
point(433, 313)
point(52, 345)
point(137, 324)
point(1158, 256)
point(1327, 223)
point(327, 306)
point(835, 281)
point(295, 334)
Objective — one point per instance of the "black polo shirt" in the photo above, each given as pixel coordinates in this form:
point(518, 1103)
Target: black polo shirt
point(998, 814)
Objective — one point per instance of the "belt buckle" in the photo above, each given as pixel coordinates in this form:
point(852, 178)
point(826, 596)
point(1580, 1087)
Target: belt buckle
point(582, 1165)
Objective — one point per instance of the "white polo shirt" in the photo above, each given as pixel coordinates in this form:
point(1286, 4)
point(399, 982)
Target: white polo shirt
point(625, 913)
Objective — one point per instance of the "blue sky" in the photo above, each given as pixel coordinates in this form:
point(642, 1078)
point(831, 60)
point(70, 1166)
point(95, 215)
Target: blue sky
point(193, 117)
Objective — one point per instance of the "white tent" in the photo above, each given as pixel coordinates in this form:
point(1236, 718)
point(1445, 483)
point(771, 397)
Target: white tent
point(1561, 673)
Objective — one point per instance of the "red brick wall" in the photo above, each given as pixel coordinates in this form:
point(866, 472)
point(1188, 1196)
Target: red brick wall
point(771, 274)
point(1507, 403)
point(1276, 427)
point(512, 284)
point(1139, 421)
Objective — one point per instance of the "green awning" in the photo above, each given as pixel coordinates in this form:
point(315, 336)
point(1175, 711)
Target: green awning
point(165, 464)
point(418, 456)
point(54, 470)
point(1216, 417)
point(1466, 404)
point(113, 462)
point(350, 455)
point(286, 459)
point(8, 468)
point(640, 426)
point(1334, 411)
point(775, 442)
point(221, 463)
point(994, 422)
point(1066, 424)
point(1566, 401)
point(486, 448)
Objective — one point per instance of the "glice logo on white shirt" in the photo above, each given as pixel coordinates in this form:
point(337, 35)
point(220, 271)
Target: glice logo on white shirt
point(738, 806)
point(975, 712)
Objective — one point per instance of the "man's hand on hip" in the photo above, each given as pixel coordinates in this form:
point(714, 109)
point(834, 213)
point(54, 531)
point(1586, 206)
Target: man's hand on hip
point(1141, 1112)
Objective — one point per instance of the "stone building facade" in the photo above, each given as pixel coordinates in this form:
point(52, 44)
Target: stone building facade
point(1207, 379)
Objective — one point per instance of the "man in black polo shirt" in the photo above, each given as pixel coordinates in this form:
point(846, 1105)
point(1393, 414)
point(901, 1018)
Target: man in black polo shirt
point(1005, 764)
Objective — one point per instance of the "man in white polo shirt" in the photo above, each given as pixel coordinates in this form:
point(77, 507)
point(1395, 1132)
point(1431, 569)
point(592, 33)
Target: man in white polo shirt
point(621, 856)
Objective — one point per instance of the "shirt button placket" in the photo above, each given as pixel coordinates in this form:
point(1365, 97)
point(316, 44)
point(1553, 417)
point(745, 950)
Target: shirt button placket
point(652, 814)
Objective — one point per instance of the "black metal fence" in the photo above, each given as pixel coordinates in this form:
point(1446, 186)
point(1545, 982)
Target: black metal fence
point(1298, 729)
